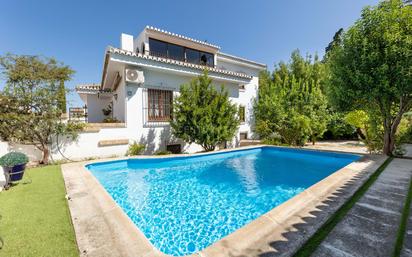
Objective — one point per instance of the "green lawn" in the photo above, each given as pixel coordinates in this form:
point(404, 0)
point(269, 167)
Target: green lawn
point(35, 217)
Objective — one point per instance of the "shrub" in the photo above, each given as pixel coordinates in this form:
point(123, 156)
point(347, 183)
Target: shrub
point(369, 129)
point(338, 128)
point(107, 111)
point(111, 120)
point(135, 149)
point(13, 158)
point(160, 152)
point(204, 115)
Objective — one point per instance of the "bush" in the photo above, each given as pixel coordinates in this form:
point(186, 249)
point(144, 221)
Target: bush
point(405, 129)
point(403, 135)
point(204, 115)
point(135, 149)
point(111, 120)
point(13, 158)
point(338, 128)
point(160, 152)
point(369, 129)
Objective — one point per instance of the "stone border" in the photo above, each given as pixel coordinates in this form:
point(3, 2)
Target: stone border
point(103, 229)
point(110, 142)
point(106, 125)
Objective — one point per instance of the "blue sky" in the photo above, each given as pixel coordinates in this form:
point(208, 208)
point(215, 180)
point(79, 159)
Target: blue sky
point(77, 32)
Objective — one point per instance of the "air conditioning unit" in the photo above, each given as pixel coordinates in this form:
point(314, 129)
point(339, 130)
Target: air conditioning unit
point(134, 76)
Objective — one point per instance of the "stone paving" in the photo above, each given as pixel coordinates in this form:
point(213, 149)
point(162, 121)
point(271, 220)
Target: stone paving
point(340, 146)
point(408, 149)
point(407, 241)
point(370, 227)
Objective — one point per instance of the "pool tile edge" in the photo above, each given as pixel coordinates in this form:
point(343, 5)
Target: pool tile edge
point(250, 240)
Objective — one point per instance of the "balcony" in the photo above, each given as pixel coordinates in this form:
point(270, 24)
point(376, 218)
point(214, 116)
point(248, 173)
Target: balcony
point(180, 53)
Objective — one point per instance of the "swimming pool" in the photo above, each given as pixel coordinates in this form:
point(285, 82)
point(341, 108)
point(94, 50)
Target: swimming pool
point(184, 204)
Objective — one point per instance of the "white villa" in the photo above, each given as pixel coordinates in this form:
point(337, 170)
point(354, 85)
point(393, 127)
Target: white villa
point(139, 81)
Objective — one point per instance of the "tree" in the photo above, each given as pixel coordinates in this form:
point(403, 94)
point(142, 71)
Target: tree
point(336, 41)
point(291, 106)
point(204, 115)
point(371, 69)
point(30, 110)
point(61, 92)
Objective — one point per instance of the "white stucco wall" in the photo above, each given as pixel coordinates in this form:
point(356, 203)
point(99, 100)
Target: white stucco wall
point(3, 150)
point(86, 145)
point(119, 103)
point(130, 108)
point(157, 135)
point(95, 105)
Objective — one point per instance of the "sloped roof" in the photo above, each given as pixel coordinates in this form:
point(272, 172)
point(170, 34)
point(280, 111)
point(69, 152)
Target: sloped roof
point(241, 59)
point(115, 50)
point(88, 87)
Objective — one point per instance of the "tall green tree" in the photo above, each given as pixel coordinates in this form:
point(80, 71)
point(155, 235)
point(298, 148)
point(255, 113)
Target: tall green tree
point(371, 69)
point(204, 115)
point(291, 105)
point(62, 97)
point(336, 41)
point(30, 111)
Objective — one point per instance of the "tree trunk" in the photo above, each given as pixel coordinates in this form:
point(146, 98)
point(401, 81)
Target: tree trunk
point(388, 143)
point(209, 148)
point(389, 134)
point(46, 154)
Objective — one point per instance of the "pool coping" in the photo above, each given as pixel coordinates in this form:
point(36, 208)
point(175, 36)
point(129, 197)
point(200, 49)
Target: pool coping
point(102, 228)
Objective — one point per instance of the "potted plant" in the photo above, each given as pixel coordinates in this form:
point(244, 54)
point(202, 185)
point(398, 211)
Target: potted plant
point(14, 164)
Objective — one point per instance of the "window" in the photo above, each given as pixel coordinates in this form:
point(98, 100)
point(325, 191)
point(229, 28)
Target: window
point(159, 104)
point(176, 52)
point(180, 53)
point(158, 48)
point(206, 59)
point(192, 56)
point(242, 113)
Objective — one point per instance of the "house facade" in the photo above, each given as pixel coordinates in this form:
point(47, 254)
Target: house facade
point(141, 78)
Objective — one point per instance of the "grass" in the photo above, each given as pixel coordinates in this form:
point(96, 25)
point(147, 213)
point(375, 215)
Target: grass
point(404, 222)
point(310, 246)
point(35, 216)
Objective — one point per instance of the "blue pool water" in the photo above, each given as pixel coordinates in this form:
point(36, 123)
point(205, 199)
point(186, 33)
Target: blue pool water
point(185, 204)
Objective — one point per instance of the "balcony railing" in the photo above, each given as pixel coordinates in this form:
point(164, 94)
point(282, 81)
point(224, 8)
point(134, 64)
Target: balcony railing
point(182, 59)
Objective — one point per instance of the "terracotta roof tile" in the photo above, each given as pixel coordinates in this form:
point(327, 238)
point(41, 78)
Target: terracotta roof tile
point(89, 87)
point(179, 63)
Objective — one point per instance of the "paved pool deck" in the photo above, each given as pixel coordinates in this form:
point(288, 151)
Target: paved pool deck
point(103, 229)
point(370, 227)
point(407, 242)
point(352, 146)
point(408, 150)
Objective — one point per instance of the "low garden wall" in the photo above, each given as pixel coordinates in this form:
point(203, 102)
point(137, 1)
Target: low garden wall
point(94, 142)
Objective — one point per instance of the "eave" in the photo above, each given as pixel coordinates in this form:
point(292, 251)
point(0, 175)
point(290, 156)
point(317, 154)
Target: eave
point(168, 65)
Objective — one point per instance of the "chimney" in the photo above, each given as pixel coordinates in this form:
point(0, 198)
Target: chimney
point(126, 42)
